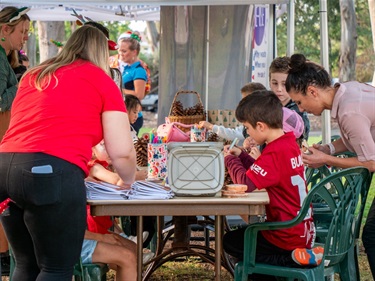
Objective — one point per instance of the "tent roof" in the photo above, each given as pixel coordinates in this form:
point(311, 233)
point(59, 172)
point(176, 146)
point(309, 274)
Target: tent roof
point(113, 10)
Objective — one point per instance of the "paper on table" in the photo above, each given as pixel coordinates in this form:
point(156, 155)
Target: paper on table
point(105, 191)
point(149, 190)
point(139, 190)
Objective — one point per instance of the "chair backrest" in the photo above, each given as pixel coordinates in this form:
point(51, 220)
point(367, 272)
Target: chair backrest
point(314, 175)
point(341, 193)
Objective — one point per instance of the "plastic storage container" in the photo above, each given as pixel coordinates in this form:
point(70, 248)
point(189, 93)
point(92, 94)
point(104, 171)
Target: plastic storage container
point(195, 169)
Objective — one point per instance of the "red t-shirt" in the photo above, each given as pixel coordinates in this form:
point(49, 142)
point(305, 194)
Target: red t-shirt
point(280, 171)
point(64, 120)
point(98, 224)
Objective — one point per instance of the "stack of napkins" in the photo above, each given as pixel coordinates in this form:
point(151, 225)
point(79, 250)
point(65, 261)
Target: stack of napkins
point(148, 190)
point(141, 190)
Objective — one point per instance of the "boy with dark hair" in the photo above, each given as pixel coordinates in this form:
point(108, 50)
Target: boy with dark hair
point(280, 171)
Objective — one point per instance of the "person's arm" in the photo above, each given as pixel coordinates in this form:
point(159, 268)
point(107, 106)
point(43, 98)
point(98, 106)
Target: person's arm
point(139, 89)
point(237, 171)
point(97, 171)
point(318, 158)
point(228, 133)
point(119, 144)
point(338, 146)
point(8, 86)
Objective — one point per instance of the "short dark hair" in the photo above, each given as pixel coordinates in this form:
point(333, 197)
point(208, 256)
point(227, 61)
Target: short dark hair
point(252, 87)
point(279, 65)
point(261, 106)
point(131, 102)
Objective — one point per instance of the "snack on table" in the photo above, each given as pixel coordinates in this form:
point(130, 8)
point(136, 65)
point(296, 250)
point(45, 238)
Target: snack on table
point(234, 190)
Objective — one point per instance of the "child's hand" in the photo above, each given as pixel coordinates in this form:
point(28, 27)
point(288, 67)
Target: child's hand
point(236, 151)
point(248, 143)
point(205, 124)
point(255, 152)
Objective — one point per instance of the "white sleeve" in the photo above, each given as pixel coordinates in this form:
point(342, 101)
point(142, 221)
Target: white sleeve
point(228, 133)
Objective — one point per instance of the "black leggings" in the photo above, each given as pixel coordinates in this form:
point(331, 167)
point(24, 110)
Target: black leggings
point(368, 237)
point(47, 222)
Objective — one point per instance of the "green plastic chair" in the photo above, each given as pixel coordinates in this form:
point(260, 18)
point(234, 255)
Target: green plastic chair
point(341, 234)
point(90, 271)
point(82, 272)
point(314, 175)
point(323, 216)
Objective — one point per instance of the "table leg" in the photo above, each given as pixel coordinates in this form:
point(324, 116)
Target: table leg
point(218, 245)
point(139, 247)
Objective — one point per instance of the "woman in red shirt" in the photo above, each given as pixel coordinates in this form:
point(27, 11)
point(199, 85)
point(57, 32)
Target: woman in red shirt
point(63, 108)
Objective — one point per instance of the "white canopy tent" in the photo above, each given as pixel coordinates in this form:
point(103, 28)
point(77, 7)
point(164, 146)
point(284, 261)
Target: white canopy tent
point(149, 10)
point(114, 10)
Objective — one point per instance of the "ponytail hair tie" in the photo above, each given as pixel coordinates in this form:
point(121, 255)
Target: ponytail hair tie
point(136, 37)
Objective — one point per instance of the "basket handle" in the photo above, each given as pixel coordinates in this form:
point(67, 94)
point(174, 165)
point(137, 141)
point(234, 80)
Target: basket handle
point(178, 123)
point(185, 92)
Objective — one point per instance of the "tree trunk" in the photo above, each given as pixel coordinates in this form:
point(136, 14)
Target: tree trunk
point(371, 7)
point(49, 30)
point(348, 41)
point(31, 47)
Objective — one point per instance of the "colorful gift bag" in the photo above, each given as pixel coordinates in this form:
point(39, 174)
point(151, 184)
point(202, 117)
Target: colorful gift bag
point(157, 161)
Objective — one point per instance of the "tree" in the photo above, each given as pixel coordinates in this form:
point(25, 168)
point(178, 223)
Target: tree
point(307, 38)
point(49, 30)
point(348, 41)
point(371, 6)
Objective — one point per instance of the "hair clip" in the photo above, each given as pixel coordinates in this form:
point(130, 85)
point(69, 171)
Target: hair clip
point(81, 19)
point(112, 45)
point(17, 14)
point(136, 37)
point(57, 43)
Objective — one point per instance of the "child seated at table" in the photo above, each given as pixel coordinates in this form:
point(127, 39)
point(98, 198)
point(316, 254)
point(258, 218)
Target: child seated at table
point(280, 171)
point(133, 106)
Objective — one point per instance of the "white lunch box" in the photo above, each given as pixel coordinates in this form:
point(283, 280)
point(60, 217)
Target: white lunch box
point(195, 169)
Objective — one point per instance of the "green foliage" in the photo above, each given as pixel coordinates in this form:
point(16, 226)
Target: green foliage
point(307, 35)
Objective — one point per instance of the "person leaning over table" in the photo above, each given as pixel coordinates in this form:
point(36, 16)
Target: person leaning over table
point(14, 29)
point(352, 105)
point(58, 115)
point(280, 161)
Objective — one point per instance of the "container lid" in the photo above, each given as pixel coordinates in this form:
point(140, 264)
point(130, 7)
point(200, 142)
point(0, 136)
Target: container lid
point(195, 169)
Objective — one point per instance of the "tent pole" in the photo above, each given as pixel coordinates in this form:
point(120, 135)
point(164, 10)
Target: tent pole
point(207, 56)
point(290, 28)
point(324, 60)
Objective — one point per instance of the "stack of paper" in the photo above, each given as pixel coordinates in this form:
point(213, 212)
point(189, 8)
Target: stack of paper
point(139, 190)
point(105, 191)
point(147, 190)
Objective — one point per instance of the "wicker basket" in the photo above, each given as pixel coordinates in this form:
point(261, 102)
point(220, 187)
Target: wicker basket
point(186, 118)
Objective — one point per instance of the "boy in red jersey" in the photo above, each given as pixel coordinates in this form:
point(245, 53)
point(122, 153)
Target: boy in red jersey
point(279, 170)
